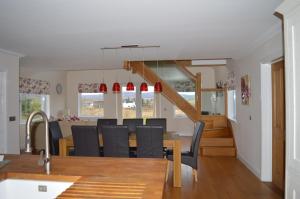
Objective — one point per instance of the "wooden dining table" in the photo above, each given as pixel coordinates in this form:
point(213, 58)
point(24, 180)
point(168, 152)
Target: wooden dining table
point(170, 140)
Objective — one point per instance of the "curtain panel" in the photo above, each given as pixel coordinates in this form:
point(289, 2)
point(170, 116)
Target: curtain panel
point(88, 88)
point(33, 86)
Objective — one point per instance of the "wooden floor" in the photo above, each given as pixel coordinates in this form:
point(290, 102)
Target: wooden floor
point(219, 178)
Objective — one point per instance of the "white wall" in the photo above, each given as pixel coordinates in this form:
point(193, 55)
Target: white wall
point(207, 75)
point(247, 131)
point(10, 138)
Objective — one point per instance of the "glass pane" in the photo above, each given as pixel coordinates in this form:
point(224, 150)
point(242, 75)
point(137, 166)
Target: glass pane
point(173, 75)
point(188, 96)
point(148, 103)
point(212, 103)
point(91, 104)
point(129, 103)
point(33, 102)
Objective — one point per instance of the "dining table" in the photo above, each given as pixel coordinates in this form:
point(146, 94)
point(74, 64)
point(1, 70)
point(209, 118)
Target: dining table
point(170, 140)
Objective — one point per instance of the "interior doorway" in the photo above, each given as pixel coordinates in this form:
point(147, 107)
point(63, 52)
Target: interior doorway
point(278, 124)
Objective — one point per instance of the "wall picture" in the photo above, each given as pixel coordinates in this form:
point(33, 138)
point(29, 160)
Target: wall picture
point(245, 90)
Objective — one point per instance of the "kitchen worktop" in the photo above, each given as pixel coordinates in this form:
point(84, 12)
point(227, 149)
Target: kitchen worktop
point(143, 177)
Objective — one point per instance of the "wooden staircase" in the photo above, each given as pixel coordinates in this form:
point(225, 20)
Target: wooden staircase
point(217, 138)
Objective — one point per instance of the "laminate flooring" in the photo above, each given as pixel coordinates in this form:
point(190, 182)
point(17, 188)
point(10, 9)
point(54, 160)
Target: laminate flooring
point(218, 178)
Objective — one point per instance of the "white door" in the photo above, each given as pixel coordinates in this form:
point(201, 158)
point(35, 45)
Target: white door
point(291, 11)
point(2, 112)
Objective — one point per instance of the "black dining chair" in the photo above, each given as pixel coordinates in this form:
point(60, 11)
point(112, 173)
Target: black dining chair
point(190, 157)
point(132, 123)
point(105, 121)
point(149, 141)
point(115, 141)
point(55, 134)
point(86, 141)
point(157, 122)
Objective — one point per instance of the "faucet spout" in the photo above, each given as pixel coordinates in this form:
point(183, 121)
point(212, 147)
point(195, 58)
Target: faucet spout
point(28, 148)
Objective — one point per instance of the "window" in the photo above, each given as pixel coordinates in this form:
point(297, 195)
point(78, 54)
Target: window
point(148, 105)
point(190, 97)
point(128, 103)
point(91, 104)
point(231, 100)
point(33, 102)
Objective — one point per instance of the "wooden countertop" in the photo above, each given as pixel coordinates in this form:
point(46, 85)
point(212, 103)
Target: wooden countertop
point(96, 177)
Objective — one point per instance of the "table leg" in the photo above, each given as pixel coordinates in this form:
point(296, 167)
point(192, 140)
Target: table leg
point(62, 147)
point(177, 163)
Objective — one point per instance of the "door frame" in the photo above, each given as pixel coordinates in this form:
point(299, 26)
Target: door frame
point(266, 121)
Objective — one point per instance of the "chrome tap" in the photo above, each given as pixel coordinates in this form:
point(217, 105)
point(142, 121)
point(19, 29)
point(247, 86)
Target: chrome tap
point(44, 159)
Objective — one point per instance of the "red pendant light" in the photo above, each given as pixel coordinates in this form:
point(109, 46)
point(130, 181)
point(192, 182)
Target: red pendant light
point(144, 87)
point(129, 86)
point(157, 87)
point(103, 88)
point(116, 87)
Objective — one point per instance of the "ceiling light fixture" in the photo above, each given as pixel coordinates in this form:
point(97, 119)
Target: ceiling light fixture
point(103, 87)
point(144, 86)
point(157, 85)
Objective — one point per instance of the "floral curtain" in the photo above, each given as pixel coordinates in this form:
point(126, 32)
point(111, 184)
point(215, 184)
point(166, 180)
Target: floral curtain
point(88, 88)
point(33, 86)
point(184, 86)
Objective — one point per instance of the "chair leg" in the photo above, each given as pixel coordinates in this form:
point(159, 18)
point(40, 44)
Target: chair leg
point(167, 174)
point(195, 174)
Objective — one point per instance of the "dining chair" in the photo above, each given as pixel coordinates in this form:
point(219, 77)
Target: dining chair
point(55, 134)
point(115, 141)
point(132, 123)
point(157, 122)
point(105, 121)
point(86, 140)
point(190, 157)
point(149, 141)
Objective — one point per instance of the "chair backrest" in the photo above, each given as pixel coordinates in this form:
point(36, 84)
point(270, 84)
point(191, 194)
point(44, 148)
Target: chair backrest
point(115, 141)
point(149, 141)
point(157, 122)
point(105, 121)
point(86, 140)
point(55, 134)
point(196, 138)
point(132, 123)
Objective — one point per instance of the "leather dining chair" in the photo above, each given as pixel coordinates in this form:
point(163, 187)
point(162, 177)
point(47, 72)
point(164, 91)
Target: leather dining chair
point(55, 134)
point(132, 123)
point(86, 141)
point(149, 141)
point(190, 157)
point(115, 141)
point(105, 121)
point(157, 122)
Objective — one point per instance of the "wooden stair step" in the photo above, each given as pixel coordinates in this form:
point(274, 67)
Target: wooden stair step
point(218, 151)
point(216, 142)
point(216, 133)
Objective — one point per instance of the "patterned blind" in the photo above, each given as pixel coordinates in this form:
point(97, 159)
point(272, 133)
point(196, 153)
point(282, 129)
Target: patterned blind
point(88, 88)
point(33, 86)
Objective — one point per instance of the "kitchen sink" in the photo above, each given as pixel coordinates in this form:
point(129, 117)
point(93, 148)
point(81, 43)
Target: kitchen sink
point(35, 189)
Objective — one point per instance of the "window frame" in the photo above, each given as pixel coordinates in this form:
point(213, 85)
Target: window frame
point(31, 95)
point(89, 116)
point(231, 113)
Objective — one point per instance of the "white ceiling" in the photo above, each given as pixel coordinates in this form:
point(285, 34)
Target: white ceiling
point(68, 34)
